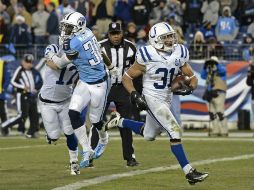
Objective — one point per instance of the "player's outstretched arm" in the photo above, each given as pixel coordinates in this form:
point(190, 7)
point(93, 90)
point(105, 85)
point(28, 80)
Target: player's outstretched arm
point(55, 62)
point(112, 69)
point(187, 70)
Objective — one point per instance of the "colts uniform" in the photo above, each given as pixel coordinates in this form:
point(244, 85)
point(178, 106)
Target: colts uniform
point(55, 99)
point(93, 85)
point(161, 69)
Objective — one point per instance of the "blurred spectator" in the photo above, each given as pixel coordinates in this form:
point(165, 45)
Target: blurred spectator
point(227, 26)
point(96, 32)
point(215, 75)
point(207, 30)
point(55, 2)
point(141, 12)
point(159, 13)
point(250, 29)
point(12, 9)
point(3, 31)
point(248, 48)
point(172, 21)
point(52, 24)
point(210, 9)
point(198, 48)
point(40, 18)
point(228, 3)
point(63, 9)
point(4, 82)
point(191, 11)
point(20, 33)
point(82, 6)
point(4, 14)
point(103, 12)
point(21, 10)
point(30, 5)
point(176, 9)
point(131, 32)
point(142, 38)
point(123, 10)
point(215, 48)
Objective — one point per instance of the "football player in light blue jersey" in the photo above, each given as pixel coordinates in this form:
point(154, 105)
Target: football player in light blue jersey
point(160, 63)
point(82, 49)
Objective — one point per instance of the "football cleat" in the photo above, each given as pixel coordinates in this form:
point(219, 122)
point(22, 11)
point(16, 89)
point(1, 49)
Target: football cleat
point(99, 150)
point(86, 156)
point(113, 121)
point(194, 176)
point(74, 168)
point(132, 162)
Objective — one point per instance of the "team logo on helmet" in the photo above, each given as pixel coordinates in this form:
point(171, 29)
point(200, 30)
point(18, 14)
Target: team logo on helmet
point(81, 21)
point(153, 35)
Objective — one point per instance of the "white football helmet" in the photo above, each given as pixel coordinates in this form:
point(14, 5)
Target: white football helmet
point(72, 24)
point(163, 37)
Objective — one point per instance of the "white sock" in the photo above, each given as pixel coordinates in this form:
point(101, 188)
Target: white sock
point(121, 123)
point(187, 169)
point(73, 155)
point(103, 135)
point(82, 138)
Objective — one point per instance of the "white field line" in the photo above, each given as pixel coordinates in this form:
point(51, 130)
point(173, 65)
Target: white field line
point(101, 179)
point(137, 138)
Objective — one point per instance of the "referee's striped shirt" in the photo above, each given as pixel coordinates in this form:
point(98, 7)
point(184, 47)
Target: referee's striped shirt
point(121, 56)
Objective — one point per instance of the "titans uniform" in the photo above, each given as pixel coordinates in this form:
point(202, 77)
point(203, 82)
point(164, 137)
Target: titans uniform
point(55, 99)
point(93, 86)
point(161, 69)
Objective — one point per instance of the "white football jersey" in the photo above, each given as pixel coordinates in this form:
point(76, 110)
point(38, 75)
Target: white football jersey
point(161, 69)
point(57, 84)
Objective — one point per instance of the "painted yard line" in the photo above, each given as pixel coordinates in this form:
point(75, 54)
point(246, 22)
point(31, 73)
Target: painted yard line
point(30, 146)
point(102, 179)
point(137, 138)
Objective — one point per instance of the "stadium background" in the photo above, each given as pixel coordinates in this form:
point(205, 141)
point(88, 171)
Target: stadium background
point(232, 53)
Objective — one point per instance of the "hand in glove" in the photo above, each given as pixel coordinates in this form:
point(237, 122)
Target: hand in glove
point(184, 90)
point(137, 99)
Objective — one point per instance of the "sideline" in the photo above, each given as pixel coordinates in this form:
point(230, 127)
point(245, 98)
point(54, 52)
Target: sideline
point(102, 179)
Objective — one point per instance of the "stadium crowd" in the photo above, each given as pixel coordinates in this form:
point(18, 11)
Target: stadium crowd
point(224, 28)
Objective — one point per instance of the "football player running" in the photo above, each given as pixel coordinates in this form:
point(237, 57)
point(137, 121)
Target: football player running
point(82, 49)
point(54, 100)
point(160, 63)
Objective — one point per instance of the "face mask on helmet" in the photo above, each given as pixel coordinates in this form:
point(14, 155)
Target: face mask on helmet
point(167, 41)
point(66, 29)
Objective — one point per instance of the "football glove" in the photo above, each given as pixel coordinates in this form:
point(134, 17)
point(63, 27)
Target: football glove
point(49, 55)
point(137, 99)
point(114, 72)
point(184, 90)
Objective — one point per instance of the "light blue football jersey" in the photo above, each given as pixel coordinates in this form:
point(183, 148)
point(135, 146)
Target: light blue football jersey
point(89, 61)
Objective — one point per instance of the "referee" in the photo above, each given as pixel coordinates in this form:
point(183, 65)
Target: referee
point(27, 82)
point(121, 53)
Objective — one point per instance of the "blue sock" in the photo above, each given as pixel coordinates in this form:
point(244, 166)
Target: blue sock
point(179, 154)
point(72, 141)
point(135, 126)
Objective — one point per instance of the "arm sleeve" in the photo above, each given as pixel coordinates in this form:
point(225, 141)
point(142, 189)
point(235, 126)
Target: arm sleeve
point(140, 57)
point(62, 61)
point(15, 79)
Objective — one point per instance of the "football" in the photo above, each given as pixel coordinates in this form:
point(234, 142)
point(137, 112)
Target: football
point(179, 81)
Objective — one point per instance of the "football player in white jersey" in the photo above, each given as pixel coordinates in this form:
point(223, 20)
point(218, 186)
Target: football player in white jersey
point(82, 49)
point(159, 63)
point(54, 100)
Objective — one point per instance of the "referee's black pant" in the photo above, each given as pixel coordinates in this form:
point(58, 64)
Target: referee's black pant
point(26, 107)
point(121, 98)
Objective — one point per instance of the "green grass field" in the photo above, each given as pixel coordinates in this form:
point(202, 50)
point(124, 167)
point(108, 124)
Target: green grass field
point(32, 164)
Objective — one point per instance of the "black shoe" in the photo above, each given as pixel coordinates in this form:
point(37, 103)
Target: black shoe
point(194, 176)
point(4, 131)
point(132, 162)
